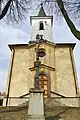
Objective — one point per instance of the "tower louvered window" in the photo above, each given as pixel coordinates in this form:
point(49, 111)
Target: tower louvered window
point(41, 26)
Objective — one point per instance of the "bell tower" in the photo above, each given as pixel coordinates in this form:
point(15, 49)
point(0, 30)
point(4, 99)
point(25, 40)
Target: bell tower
point(41, 24)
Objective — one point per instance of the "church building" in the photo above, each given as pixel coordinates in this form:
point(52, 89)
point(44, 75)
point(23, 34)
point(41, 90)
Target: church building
point(57, 74)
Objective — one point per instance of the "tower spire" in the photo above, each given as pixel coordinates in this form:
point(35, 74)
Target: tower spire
point(41, 12)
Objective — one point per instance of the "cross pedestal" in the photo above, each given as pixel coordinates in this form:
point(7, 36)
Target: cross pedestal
point(36, 106)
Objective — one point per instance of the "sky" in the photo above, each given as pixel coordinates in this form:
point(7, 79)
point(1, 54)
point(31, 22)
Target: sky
point(21, 34)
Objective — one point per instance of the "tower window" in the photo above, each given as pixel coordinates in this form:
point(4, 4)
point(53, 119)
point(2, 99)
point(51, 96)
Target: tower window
point(41, 26)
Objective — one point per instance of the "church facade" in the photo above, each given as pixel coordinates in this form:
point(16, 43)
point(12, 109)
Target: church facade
point(57, 74)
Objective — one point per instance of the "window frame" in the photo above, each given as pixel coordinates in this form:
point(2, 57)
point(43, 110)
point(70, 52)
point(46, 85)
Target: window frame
point(41, 25)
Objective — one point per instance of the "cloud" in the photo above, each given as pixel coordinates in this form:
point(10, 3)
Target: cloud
point(3, 77)
point(61, 33)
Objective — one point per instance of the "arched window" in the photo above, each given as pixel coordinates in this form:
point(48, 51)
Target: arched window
point(44, 83)
point(41, 26)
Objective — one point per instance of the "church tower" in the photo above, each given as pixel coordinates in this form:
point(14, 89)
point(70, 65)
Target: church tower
point(57, 75)
point(41, 24)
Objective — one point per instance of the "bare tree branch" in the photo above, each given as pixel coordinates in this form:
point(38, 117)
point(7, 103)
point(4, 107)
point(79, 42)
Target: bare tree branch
point(73, 9)
point(72, 27)
point(16, 10)
point(4, 12)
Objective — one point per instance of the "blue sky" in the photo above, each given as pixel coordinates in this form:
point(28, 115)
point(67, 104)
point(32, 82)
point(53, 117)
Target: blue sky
point(21, 34)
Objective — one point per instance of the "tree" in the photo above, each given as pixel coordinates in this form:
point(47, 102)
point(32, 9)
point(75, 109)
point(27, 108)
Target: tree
point(67, 8)
point(4, 11)
point(16, 9)
point(72, 27)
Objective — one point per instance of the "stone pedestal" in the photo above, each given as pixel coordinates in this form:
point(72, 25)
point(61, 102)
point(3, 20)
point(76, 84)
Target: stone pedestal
point(36, 106)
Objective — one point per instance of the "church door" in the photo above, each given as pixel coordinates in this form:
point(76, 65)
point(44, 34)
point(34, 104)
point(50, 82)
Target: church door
point(43, 82)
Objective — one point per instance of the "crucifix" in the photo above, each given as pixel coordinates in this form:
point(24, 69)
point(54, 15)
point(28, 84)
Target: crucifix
point(39, 53)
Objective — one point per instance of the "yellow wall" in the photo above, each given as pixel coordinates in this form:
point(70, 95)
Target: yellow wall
point(65, 83)
point(57, 57)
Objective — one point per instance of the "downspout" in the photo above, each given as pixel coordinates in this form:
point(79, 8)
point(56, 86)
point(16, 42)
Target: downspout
point(74, 73)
